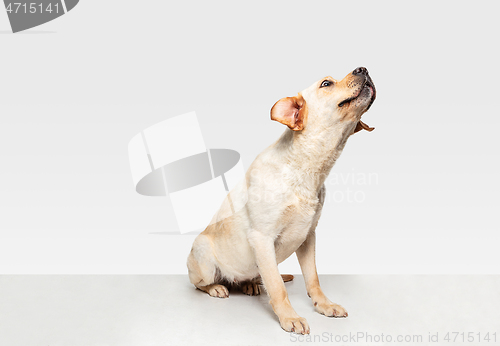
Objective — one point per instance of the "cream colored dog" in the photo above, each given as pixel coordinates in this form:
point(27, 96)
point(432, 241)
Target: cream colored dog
point(282, 197)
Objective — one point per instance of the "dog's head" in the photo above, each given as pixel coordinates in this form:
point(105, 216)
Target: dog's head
point(328, 102)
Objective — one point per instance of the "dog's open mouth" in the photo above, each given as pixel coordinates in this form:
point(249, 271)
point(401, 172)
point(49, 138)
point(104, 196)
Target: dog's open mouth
point(367, 86)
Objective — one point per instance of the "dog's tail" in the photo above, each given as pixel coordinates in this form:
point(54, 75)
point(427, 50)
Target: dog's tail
point(285, 277)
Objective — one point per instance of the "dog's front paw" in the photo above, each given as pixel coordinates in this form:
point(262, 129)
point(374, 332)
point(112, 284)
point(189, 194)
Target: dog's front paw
point(250, 288)
point(219, 291)
point(295, 325)
point(330, 309)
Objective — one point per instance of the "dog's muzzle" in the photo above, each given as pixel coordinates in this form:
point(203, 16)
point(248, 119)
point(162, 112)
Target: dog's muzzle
point(368, 84)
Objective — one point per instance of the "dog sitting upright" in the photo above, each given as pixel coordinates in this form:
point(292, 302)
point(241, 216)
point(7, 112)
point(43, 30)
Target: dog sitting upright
point(283, 196)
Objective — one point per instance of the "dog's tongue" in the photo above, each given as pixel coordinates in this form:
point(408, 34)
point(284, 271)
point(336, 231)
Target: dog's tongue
point(362, 126)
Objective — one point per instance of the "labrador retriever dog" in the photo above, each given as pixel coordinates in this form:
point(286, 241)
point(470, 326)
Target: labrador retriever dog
point(282, 196)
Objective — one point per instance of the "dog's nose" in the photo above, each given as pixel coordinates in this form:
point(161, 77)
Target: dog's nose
point(360, 70)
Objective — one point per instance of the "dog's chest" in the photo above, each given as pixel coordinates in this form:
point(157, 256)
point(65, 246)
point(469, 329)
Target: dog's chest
point(299, 218)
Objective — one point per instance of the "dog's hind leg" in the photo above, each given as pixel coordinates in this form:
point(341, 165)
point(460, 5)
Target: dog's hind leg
point(251, 287)
point(215, 290)
point(202, 268)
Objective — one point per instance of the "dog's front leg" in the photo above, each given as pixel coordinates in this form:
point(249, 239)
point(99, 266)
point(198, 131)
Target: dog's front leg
point(306, 256)
point(265, 255)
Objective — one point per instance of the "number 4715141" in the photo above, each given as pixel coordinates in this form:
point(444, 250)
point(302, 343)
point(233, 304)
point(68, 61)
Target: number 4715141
point(470, 337)
point(20, 7)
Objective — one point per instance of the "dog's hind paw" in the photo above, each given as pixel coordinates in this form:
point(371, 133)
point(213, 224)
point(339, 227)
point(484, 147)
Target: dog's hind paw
point(219, 291)
point(250, 288)
point(331, 310)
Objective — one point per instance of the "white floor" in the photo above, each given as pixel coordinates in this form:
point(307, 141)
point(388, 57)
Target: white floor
point(167, 310)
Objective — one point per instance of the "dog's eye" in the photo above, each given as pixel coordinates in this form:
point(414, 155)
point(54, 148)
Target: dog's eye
point(326, 83)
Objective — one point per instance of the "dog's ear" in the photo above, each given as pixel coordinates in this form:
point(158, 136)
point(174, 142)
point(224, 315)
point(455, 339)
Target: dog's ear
point(290, 111)
point(362, 126)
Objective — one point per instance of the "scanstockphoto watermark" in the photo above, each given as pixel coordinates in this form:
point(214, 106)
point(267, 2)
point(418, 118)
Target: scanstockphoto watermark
point(358, 337)
point(297, 176)
point(382, 338)
point(171, 159)
point(349, 187)
point(341, 187)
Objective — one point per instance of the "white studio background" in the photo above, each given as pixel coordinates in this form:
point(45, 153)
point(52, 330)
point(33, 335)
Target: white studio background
point(417, 195)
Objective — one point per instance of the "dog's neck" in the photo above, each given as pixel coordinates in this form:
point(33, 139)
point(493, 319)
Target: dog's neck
point(312, 152)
